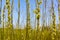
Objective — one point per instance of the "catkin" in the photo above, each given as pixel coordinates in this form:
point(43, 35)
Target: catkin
point(53, 29)
point(9, 18)
point(37, 12)
point(28, 27)
point(9, 12)
point(54, 25)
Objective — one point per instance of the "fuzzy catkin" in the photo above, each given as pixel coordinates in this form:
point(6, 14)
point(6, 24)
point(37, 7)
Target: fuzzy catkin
point(37, 12)
point(9, 12)
point(53, 29)
point(28, 26)
point(9, 19)
point(54, 25)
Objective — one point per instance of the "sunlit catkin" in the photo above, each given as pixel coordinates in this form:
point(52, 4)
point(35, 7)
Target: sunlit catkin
point(53, 29)
point(9, 12)
point(9, 17)
point(54, 25)
point(37, 12)
point(28, 26)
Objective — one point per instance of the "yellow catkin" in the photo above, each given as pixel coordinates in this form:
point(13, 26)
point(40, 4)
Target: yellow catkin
point(54, 25)
point(9, 12)
point(53, 29)
point(9, 18)
point(37, 12)
point(28, 26)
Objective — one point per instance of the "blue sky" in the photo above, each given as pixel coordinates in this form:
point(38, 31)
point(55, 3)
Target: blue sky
point(32, 7)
